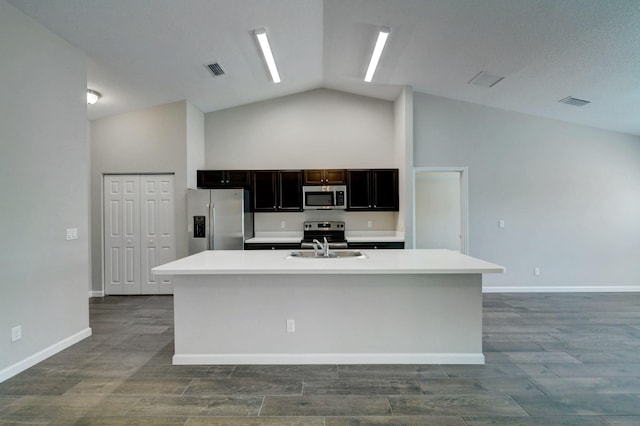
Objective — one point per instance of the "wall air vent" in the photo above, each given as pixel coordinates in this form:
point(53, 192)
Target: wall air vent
point(574, 101)
point(215, 69)
point(485, 79)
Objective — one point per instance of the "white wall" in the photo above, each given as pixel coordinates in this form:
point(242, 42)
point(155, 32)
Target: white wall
point(43, 190)
point(195, 144)
point(316, 129)
point(403, 155)
point(152, 140)
point(569, 194)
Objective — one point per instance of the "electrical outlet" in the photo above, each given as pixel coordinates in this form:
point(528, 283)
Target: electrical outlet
point(72, 233)
point(370, 224)
point(501, 223)
point(291, 326)
point(536, 271)
point(282, 224)
point(16, 333)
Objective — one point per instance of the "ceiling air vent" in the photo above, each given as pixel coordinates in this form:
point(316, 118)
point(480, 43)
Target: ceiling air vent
point(485, 79)
point(215, 69)
point(574, 101)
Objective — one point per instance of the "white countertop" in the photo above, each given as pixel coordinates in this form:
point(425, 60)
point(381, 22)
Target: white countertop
point(239, 262)
point(351, 236)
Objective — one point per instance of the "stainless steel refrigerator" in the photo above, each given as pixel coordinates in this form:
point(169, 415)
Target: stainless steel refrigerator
point(219, 219)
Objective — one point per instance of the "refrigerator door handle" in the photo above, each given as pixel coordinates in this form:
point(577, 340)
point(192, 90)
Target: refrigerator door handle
point(212, 217)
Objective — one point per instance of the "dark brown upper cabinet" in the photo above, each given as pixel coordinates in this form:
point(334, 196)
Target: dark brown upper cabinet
point(324, 177)
point(277, 190)
point(375, 189)
point(224, 179)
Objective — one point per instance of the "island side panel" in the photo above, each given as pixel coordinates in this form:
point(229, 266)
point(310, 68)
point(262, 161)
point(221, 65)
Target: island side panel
point(369, 318)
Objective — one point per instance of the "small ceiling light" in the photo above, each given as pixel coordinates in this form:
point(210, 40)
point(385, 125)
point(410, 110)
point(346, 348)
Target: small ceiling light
point(261, 35)
point(383, 34)
point(93, 96)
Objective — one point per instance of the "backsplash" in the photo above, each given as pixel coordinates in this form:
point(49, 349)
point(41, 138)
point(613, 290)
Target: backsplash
point(354, 221)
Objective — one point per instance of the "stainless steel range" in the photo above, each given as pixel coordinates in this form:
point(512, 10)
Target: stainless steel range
point(333, 231)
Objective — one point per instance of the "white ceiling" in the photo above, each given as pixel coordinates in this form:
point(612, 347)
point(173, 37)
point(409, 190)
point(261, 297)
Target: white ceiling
point(150, 52)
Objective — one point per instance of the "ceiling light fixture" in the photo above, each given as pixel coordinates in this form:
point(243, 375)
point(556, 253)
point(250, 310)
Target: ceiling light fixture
point(261, 35)
point(93, 96)
point(383, 34)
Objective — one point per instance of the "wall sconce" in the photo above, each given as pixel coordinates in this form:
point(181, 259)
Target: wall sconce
point(93, 96)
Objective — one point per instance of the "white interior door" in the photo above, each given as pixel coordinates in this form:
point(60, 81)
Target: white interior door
point(439, 210)
point(157, 227)
point(122, 234)
point(138, 232)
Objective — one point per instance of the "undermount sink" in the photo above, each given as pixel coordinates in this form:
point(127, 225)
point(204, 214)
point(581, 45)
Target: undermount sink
point(335, 254)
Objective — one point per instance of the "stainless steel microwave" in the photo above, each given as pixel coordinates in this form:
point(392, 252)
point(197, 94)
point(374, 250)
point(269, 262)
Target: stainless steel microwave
point(326, 197)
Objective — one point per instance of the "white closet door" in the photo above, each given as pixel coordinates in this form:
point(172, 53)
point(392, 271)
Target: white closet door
point(157, 231)
point(122, 234)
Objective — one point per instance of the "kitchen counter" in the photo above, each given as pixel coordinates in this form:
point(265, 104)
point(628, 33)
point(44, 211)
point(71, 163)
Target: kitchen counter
point(224, 262)
point(394, 307)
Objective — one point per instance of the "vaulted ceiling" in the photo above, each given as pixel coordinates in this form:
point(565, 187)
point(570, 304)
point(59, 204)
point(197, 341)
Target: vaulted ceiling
point(150, 52)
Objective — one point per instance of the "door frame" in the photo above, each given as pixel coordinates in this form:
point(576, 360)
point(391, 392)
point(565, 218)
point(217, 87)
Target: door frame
point(464, 201)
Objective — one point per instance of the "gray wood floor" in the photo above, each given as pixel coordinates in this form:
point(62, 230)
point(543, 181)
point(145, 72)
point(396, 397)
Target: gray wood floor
point(552, 359)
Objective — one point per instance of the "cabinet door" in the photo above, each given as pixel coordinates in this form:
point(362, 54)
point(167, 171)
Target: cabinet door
point(313, 177)
point(324, 177)
point(210, 178)
point(334, 177)
point(290, 190)
point(238, 178)
point(385, 189)
point(264, 191)
point(358, 189)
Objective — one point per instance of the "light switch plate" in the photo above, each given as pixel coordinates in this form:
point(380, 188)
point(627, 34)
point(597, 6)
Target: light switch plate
point(72, 233)
point(16, 333)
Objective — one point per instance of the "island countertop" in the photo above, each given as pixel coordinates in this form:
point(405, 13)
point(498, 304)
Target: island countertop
point(238, 262)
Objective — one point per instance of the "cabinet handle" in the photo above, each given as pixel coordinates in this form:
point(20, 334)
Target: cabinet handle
point(375, 206)
point(222, 181)
point(227, 180)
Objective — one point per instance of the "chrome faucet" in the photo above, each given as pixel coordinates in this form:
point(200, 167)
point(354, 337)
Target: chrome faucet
point(319, 247)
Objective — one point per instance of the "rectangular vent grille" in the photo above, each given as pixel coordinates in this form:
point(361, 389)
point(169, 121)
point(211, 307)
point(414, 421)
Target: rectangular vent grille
point(485, 79)
point(574, 101)
point(215, 69)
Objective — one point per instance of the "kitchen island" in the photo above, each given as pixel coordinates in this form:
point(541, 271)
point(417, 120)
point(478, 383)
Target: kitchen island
point(392, 307)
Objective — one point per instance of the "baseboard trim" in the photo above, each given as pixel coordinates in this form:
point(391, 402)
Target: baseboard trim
point(93, 293)
point(564, 289)
point(296, 359)
point(32, 360)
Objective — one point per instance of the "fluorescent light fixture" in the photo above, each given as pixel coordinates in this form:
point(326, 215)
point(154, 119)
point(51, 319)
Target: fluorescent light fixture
point(383, 34)
point(261, 35)
point(93, 96)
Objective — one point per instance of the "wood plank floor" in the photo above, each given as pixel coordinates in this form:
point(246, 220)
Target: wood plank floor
point(552, 359)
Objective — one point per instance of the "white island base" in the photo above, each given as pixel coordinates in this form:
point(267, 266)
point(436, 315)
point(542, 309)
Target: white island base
point(346, 311)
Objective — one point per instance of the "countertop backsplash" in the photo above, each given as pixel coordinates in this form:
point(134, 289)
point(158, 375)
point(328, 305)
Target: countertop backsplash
point(354, 221)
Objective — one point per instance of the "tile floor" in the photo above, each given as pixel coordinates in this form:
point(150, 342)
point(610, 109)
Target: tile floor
point(552, 359)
